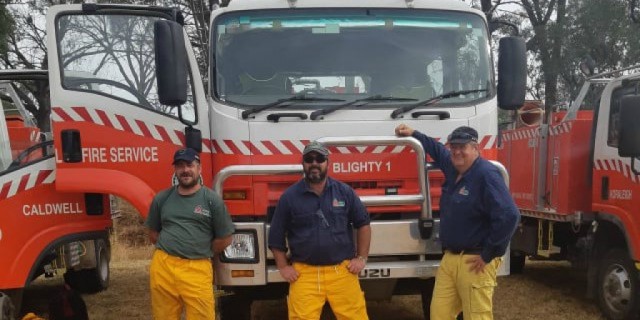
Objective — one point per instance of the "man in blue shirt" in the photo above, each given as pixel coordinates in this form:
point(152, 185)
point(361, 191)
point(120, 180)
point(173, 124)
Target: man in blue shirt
point(317, 216)
point(477, 219)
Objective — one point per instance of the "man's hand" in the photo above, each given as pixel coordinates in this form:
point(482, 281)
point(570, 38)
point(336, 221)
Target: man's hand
point(219, 244)
point(404, 130)
point(153, 235)
point(476, 264)
point(289, 273)
point(356, 265)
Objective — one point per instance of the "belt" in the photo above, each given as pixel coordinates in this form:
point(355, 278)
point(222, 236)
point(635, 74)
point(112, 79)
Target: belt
point(464, 251)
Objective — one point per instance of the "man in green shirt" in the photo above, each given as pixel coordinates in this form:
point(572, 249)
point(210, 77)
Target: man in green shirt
point(187, 223)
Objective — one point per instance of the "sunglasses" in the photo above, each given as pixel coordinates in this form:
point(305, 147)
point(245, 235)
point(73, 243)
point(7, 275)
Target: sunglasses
point(310, 158)
point(462, 136)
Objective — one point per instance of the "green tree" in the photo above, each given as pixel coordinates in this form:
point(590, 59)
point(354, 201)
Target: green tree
point(6, 28)
point(558, 36)
point(602, 30)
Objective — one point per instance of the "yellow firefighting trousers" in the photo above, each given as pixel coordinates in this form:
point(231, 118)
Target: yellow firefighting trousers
point(318, 284)
point(459, 289)
point(176, 282)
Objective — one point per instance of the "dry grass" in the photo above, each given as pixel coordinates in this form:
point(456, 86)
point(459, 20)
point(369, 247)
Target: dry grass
point(547, 290)
point(128, 227)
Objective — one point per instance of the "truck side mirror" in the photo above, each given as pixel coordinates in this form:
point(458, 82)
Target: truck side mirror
point(512, 73)
point(171, 63)
point(629, 138)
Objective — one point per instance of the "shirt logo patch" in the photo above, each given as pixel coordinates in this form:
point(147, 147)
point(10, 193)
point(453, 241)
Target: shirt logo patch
point(463, 191)
point(201, 211)
point(338, 203)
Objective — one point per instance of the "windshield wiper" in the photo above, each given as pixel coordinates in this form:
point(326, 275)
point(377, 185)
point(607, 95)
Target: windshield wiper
point(281, 102)
point(372, 99)
point(432, 101)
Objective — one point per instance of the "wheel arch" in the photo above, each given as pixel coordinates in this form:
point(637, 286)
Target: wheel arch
point(611, 233)
point(92, 235)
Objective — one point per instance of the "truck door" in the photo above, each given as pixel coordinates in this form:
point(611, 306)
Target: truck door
point(112, 133)
point(615, 179)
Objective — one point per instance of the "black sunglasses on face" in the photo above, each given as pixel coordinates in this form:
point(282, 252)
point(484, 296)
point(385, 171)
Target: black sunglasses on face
point(309, 158)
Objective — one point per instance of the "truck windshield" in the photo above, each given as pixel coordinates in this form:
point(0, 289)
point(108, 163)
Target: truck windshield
point(263, 56)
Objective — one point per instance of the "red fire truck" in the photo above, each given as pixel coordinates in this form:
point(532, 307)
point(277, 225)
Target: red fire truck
point(126, 92)
point(575, 177)
point(43, 229)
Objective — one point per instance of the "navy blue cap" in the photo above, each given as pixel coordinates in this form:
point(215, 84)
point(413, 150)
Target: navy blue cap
point(186, 154)
point(462, 135)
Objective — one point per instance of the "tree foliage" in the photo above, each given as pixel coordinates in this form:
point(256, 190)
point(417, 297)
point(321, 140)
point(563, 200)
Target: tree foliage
point(559, 33)
point(6, 28)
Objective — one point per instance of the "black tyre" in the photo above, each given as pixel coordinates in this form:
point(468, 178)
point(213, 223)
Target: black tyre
point(426, 291)
point(618, 286)
point(7, 311)
point(516, 262)
point(96, 279)
point(234, 308)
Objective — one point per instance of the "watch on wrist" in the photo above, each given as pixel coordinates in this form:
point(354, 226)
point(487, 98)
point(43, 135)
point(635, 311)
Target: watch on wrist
point(362, 258)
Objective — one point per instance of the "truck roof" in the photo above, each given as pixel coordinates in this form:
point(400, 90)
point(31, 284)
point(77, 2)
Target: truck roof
point(453, 5)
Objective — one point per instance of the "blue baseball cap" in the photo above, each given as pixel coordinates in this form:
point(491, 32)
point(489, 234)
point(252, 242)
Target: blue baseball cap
point(186, 154)
point(463, 135)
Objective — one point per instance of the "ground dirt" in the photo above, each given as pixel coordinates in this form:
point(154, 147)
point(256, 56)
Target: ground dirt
point(546, 290)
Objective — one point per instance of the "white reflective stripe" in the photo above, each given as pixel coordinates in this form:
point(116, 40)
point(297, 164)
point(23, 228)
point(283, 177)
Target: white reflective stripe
point(31, 182)
point(14, 188)
point(55, 117)
point(223, 147)
point(114, 121)
point(299, 145)
point(379, 149)
point(242, 147)
point(281, 147)
point(174, 137)
point(154, 132)
point(73, 114)
point(134, 126)
point(344, 150)
point(261, 148)
point(94, 116)
point(397, 149)
point(50, 178)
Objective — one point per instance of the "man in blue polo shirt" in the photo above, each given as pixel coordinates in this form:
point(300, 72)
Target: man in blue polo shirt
point(477, 219)
point(317, 216)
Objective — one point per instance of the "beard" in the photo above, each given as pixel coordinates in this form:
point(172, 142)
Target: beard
point(313, 176)
point(187, 183)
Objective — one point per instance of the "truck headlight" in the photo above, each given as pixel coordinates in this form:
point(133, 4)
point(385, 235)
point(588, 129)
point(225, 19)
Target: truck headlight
point(243, 248)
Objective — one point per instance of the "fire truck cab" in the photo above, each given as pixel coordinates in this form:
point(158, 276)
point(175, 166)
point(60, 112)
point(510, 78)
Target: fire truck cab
point(43, 230)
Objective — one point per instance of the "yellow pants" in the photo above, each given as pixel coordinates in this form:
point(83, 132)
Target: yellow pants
point(458, 289)
point(318, 284)
point(177, 283)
